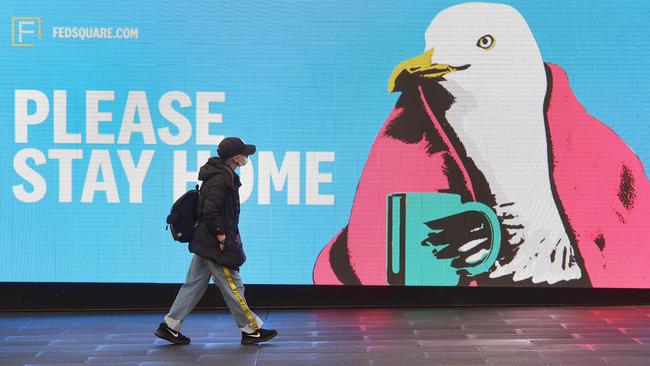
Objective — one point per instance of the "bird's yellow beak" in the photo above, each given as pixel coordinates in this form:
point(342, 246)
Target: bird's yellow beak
point(419, 67)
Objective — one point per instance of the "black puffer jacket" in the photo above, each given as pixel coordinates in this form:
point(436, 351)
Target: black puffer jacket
point(219, 206)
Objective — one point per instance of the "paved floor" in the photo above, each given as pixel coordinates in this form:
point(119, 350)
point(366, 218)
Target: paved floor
point(434, 336)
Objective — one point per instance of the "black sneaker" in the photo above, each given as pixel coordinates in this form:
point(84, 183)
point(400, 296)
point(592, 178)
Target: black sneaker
point(262, 335)
point(171, 335)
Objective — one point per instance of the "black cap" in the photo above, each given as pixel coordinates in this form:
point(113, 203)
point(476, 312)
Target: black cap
point(232, 146)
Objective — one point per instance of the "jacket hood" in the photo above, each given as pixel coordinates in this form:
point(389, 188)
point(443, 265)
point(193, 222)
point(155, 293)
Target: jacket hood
point(215, 166)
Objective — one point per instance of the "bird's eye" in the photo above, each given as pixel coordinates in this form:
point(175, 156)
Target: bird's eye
point(486, 42)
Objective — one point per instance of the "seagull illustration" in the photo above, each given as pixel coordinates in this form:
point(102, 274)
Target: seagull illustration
point(481, 115)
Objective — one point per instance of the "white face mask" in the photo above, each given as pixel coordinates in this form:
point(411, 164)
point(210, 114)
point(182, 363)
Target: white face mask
point(241, 160)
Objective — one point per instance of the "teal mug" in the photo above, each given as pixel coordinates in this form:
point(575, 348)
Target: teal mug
point(411, 263)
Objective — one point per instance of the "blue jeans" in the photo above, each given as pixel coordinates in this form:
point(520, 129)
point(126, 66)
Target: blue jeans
point(228, 282)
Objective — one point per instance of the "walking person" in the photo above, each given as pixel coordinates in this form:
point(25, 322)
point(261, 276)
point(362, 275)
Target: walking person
point(217, 248)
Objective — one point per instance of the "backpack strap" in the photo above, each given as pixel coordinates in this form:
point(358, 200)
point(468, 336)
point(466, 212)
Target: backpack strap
point(200, 199)
point(199, 204)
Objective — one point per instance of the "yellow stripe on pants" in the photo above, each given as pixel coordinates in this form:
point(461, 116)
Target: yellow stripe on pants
point(241, 300)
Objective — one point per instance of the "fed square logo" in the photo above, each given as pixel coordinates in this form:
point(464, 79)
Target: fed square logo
point(25, 31)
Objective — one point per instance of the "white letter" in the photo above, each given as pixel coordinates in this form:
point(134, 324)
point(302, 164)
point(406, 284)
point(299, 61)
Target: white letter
point(30, 175)
point(136, 101)
point(313, 178)
point(268, 171)
point(100, 160)
point(65, 158)
point(61, 135)
point(22, 118)
point(180, 121)
point(94, 116)
point(204, 118)
point(181, 175)
point(135, 173)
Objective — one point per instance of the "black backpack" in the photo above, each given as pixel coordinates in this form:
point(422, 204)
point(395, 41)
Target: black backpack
point(183, 217)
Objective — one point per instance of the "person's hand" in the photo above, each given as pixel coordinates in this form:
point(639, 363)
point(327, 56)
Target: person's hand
point(463, 237)
point(222, 240)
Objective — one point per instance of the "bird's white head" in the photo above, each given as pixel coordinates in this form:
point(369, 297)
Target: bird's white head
point(495, 40)
point(483, 51)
